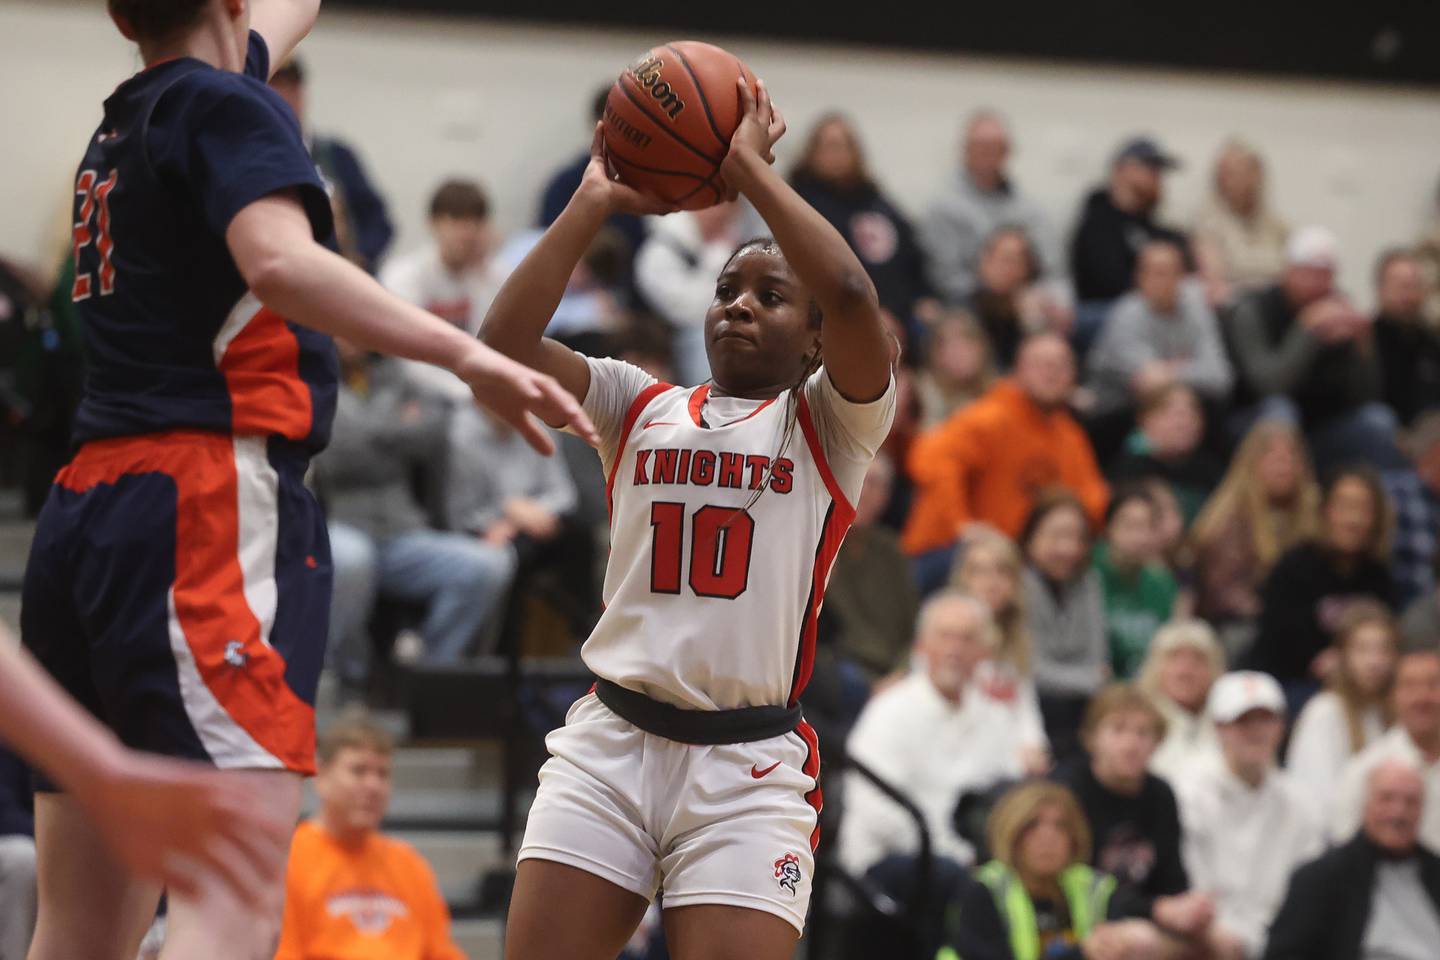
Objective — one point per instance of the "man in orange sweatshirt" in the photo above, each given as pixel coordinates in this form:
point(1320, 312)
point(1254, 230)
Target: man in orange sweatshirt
point(351, 893)
point(990, 460)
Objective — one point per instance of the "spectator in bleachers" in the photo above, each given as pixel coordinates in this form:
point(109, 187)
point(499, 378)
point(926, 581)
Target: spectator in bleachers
point(561, 185)
point(1305, 352)
point(1170, 537)
point(1309, 587)
point(832, 177)
point(352, 893)
point(871, 594)
point(1414, 739)
point(386, 431)
point(675, 271)
point(989, 461)
point(1009, 301)
point(958, 367)
point(1038, 897)
point(1134, 817)
point(1065, 615)
point(1415, 555)
point(931, 735)
point(362, 224)
point(1115, 223)
point(1160, 333)
point(989, 568)
point(1239, 240)
point(1378, 896)
point(1184, 661)
point(1267, 503)
point(981, 199)
point(590, 317)
point(1352, 711)
point(1427, 249)
point(1139, 592)
point(17, 857)
point(455, 275)
point(1408, 345)
point(1245, 826)
point(1169, 444)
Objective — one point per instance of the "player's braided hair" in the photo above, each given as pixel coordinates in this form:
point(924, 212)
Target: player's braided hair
point(810, 364)
point(156, 19)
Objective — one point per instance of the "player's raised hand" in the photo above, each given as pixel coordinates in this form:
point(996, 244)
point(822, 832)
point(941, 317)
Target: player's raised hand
point(188, 826)
point(513, 391)
point(601, 181)
point(761, 123)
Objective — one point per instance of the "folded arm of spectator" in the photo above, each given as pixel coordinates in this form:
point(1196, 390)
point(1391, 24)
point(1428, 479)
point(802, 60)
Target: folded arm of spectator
point(1270, 370)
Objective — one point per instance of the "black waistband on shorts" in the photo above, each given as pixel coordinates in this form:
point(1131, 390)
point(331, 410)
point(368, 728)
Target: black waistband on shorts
point(700, 727)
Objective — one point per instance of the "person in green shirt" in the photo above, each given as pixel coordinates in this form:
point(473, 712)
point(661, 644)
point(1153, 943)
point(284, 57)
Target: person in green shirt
point(1139, 590)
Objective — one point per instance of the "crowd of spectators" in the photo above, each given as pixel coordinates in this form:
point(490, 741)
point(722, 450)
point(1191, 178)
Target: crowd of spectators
point(1140, 605)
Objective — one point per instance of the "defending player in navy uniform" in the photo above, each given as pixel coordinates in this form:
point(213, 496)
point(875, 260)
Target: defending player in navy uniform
point(179, 581)
point(689, 768)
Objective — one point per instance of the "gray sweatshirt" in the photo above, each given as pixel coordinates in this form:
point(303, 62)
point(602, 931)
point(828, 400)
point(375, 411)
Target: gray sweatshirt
point(960, 220)
point(1070, 653)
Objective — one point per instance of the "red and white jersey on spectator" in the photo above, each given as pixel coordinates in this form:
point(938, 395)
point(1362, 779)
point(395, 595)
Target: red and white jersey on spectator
point(712, 599)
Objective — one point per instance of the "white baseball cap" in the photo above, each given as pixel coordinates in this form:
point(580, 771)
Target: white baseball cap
point(1312, 247)
point(1237, 693)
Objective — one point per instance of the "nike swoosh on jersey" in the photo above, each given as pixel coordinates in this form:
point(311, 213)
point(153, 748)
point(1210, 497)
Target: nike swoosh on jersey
point(657, 423)
point(759, 774)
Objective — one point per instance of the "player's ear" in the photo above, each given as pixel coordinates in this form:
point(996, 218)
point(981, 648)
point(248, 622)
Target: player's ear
point(123, 25)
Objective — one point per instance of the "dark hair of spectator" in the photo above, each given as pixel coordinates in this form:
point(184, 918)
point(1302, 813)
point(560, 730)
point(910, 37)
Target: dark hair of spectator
point(804, 168)
point(1119, 698)
point(354, 730)
point(460, 200)
point(291, 71)
point(1017, 812)
point(1383, 525)
point(1128, 494)
point(151, 20)
point(1056, 498)
point(1387, 257)
point(1360, 613)
point(1032, 258)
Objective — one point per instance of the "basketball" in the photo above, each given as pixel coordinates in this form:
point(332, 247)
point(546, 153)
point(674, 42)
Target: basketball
point(669, 118)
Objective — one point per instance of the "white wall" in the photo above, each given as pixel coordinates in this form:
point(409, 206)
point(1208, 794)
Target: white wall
point(427, 98)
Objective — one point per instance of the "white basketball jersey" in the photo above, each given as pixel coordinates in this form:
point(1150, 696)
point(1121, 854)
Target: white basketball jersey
point(711, 600)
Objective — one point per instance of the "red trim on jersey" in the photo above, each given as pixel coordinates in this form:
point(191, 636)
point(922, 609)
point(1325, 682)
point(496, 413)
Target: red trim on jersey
point(812, 440)
point(702, 393)
point(262, 374)
point(641, 401)
point(816, 797)
point(837, 523)
point(209, 585)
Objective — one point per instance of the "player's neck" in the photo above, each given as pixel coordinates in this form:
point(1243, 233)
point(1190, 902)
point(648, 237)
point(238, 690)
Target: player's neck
point(211, 43)
point(718, 389)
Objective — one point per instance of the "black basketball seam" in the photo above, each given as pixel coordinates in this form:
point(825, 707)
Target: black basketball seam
point(666, 173)
point(704, 100)
point(659, 125)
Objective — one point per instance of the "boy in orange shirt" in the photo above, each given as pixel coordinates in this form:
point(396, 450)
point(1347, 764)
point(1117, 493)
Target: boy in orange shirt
point(351, 893)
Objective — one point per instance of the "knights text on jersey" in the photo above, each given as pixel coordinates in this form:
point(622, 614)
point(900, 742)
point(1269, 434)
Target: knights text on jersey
point(173, 337)
point(722, 532)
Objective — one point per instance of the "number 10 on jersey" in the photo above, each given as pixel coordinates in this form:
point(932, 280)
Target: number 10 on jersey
point(720, 542)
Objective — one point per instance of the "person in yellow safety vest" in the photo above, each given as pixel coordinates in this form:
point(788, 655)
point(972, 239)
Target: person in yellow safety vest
point(1037, 900)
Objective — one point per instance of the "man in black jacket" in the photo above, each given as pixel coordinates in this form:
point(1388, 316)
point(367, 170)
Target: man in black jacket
point(1377, 897)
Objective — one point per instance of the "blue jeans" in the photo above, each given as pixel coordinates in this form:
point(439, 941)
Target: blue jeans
point(461, 581)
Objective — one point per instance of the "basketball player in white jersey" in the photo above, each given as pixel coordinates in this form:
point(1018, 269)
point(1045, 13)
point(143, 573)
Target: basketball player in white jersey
point(689, 769)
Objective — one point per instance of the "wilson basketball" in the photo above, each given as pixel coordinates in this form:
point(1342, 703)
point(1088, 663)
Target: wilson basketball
point(669, 119)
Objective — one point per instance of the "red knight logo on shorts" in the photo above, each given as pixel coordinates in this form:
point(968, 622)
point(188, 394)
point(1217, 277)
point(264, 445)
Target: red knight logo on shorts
point(787, 871)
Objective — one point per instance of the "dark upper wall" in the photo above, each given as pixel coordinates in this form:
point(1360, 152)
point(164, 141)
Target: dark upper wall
point(1385, 40)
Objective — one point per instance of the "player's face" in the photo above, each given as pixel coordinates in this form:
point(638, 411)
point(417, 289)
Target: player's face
point(354, 789)
point(758, 330)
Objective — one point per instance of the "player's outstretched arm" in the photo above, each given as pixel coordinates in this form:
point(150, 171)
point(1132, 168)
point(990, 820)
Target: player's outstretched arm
point(516, 322)
point(283, 24)
point(167, 820)
point(271, 242)
point(856, 347)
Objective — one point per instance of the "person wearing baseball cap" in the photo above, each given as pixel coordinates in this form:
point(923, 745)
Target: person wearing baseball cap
point(1304, 352)
point(1117, 221)
point(1246, 828)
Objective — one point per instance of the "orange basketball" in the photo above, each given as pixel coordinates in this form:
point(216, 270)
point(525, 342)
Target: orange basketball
point(669, 119)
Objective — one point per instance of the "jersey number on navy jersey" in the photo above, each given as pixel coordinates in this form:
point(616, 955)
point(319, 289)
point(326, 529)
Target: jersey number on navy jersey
point(94, 195)
point(720, 542)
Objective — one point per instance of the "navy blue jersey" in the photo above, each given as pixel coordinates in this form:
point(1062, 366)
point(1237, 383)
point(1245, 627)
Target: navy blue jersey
point(174, 338)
